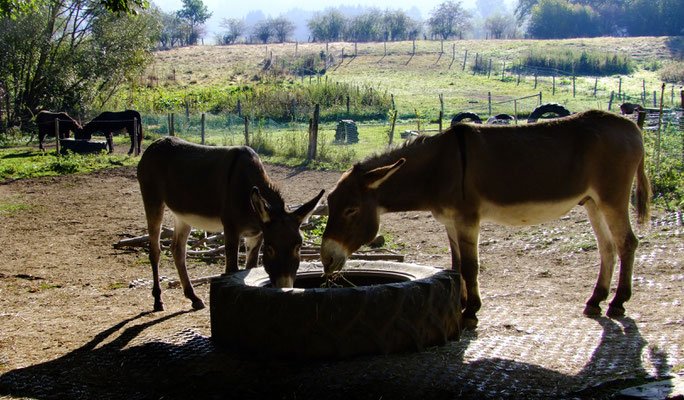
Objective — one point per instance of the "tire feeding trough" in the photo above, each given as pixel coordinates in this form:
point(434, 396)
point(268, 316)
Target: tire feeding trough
point(372, 308)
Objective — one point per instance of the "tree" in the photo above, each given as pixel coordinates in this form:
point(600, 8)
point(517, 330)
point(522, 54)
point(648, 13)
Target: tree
point(449, 19)
point(557, 19)
point(524, 9)
point(499, 25)
point(262, 31)
point(14, 8)
point(196, 14)
point(235, 29)
point(65, 55)
point(282, 28)
point(174, 31)
point(328, 26)
point(366, 27)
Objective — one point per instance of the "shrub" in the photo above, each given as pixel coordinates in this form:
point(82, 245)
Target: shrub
point(673, 72)
point(581, 63)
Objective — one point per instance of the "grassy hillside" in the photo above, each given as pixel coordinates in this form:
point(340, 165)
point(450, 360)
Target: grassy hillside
point(417, 80)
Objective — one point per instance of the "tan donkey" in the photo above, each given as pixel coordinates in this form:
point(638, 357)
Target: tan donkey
point(218, 189)
point(513, 175)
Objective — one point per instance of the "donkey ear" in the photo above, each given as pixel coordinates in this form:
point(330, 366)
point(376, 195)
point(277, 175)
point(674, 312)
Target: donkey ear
point(306, 209)
point(259, 205)
point(374, 178)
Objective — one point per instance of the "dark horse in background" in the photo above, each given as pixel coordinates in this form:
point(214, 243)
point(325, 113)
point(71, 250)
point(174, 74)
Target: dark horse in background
point(109, 122)
point(45, 120)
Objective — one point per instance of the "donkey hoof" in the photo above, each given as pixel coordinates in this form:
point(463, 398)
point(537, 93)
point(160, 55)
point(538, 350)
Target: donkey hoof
point(158, 306)
point(615, 312)
point(592, 311)
point(198, 304)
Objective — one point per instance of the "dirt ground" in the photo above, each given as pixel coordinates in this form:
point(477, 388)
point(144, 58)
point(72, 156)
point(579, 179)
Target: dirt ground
point(71, 327)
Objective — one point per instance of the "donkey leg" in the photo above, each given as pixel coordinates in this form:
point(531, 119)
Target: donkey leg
point(110, 141)
point(232, 241)
point(465, 258)
point(626, 243)
point(608, 253)
point(180, 239)
point(154, 221)
point(132, 136)
point(252, 246)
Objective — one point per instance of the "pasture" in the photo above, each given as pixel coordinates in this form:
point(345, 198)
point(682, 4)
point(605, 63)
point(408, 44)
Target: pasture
point(75, 313)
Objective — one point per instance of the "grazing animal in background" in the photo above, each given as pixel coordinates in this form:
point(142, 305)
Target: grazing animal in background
point(218, 189)
point(46, 125)
point(630, 108)
point(109, 122)
point(513, 175)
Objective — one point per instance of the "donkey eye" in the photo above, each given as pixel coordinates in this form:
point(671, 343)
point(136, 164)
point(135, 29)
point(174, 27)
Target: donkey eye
point(351, 211)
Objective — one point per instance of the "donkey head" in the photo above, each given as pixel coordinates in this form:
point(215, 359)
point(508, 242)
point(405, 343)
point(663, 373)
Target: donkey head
point(353, 214)
point(282, 238)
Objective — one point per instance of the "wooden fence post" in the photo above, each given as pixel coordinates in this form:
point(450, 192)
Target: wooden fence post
point(477, 56)
point(643, 92)
point(202, 128)
point(246, 131)
point(554, 85)
point(619, 87)
point(441, 103)
point(540, 98)
point(535, 80)
point(465, 58)
point(655, 101)
point(573, 86)
point(313, 134)
point(441, 114)
point(489, 69)
point(610, 102)
point(489, 100)
point(59, 154)
point(347, 104)
point(172, 128)
point(515, 111)
point(394, 121)
point(595, 86)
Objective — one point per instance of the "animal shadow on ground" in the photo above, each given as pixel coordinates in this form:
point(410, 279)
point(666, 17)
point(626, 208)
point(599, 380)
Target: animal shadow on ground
point(188, 365)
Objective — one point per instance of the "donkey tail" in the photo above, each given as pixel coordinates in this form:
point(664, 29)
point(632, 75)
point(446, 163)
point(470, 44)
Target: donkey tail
point(643, 194)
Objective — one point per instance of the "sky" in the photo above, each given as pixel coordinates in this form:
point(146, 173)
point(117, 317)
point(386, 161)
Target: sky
point(273, 8)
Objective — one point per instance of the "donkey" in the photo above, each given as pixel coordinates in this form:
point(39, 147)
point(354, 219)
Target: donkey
point(218, 189)
point(514, 175)
point(109, 122)
point(46, 125)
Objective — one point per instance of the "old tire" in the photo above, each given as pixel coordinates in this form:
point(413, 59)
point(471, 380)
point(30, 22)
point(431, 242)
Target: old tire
point(543, 111)
point(422, 310)
point(500, 119)
point(466, 115)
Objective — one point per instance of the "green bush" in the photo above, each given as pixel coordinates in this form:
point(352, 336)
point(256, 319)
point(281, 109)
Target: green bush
point(673, 72)
point(579, 63)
